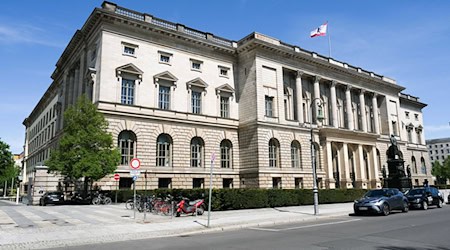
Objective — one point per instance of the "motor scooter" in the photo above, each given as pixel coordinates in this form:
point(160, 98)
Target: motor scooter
point(186, 206)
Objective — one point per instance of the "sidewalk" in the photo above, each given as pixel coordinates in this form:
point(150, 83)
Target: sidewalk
point(159, 226)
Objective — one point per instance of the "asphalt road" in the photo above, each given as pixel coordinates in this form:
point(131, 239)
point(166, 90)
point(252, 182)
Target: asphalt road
point(399, 231)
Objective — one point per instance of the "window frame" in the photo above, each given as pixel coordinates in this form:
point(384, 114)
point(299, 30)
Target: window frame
point(164, 97)
point(196, 102)
point(195, 62)
point(197, 146)
point(128, 91)
point(164, 151)
point(268, 101)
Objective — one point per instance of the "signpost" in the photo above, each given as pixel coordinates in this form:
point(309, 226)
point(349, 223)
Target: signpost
point(213, 158)
point(117, 178)
point(135, 164)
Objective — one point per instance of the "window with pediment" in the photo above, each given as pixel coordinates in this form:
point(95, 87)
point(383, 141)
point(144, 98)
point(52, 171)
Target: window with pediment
point(196, 88)
point(165, 83)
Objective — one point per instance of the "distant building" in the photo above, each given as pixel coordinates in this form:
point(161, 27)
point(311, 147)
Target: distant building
point(178, 98)
point(438, 149)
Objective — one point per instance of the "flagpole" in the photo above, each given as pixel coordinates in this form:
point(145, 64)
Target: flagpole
point(329, 40)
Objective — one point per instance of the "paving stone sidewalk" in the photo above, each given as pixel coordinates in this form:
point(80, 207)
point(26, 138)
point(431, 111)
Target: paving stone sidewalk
point(32, 227)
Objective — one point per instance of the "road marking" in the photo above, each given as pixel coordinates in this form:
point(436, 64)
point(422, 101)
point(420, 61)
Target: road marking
point(300, 227)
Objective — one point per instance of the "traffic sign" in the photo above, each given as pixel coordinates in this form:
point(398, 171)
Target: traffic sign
point(135, 172)
point(116, 177)
point(135, 163)
point(135, 178)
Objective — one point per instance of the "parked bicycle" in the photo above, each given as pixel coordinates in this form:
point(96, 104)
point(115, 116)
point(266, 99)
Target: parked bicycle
point(100, 198)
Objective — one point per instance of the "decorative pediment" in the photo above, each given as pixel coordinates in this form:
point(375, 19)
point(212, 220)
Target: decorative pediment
point(197, 82)
point(226, 88)
point(130, 69)
point(409, 126)
point(166, 75)
point(419, 128)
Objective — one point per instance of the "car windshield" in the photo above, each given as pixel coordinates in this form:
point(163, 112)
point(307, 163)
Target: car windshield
point(416, 191)
point(375, 193)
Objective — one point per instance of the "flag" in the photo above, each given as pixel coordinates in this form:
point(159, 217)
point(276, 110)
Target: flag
point(321, 31)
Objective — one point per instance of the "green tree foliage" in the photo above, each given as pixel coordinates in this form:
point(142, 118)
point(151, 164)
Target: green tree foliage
point(7, 168)
point(441, 171)
point(86, 148)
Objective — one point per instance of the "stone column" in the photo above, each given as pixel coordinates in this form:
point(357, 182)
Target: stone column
point(362, 170)
point(375, 113)
point(348, 181)
point(334, 110)
point(316, 97)
point(331, 180)
point(348, 100)
point(299, 93)
point(375, 179)
point(362, 104)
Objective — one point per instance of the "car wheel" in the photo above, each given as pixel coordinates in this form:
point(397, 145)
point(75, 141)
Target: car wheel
point(385, 210)
point(424, 205)
point(405, 208)
point(440, 204)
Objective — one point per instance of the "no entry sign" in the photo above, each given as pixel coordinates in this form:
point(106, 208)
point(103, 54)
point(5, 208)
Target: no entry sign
point(116, 177)
point(135, 163)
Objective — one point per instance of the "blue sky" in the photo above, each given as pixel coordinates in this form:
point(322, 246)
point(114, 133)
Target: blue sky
point(405, 40)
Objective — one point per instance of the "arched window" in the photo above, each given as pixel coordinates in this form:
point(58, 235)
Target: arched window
point(225, 154)
point(295, 155)
point(164, 151)
point(274, 151)
point(127, 146)
point(424, 167)
point(197, 146)
point(414, 164)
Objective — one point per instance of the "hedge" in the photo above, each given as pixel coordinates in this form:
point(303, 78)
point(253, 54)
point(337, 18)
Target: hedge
point(246, 198)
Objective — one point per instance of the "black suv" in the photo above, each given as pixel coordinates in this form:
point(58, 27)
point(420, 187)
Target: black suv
point(424, 197)
point(51, 198)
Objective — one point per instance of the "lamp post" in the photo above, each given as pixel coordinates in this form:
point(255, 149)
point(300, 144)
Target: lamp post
point(319, 116)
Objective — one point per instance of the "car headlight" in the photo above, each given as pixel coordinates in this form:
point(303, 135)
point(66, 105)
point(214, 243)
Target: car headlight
point(374, 201)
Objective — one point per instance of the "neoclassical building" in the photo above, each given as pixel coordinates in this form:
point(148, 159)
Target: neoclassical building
point(182, 100)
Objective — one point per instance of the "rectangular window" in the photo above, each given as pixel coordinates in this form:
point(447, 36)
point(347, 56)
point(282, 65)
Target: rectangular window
point(165, 183)
point(416, 117)
point(224, 107)
point(276, 182)
point(227, 183)
point(298, 183)
point(164, 97)
point(127, 50)
point(269, 106)
point(164, 59)
point(407, 114)
point(223, 71)
point(127, 96)
point(198, 183)
point(196, 102)
point(196, 65)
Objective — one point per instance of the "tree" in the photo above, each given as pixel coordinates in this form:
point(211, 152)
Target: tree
point(441, 171)
point(7, 168)
point(86, 148)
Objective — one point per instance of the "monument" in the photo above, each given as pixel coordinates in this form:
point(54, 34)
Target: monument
point(396, 177)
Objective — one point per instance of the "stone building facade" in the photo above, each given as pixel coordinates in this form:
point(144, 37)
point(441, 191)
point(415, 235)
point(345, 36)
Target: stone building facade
point(176, 98)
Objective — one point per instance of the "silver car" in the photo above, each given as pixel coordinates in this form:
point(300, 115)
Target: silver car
point(381, 201)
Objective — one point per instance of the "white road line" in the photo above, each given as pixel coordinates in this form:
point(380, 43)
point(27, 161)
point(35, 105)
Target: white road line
point(300, 227)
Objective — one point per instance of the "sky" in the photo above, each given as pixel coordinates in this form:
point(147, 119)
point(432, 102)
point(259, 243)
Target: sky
point(404, 40)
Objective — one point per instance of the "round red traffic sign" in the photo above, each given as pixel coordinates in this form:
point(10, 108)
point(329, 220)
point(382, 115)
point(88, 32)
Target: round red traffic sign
point(135, 163)
point(116, 177)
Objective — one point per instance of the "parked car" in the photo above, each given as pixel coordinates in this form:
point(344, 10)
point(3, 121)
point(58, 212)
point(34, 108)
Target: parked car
point(381, 201)
point(51, 198)
point(424, 197)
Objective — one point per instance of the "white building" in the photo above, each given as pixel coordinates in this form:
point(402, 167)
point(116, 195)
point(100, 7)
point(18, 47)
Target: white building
point(175, 96)
point(439, 149)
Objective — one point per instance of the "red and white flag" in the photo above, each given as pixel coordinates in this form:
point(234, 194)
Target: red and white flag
point(321, 31)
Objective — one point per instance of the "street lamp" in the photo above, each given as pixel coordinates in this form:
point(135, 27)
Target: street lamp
point(319, 117)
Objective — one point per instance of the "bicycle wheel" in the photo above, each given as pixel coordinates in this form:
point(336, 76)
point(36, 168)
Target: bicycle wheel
point(96, 201)
point(129, 204)
point(165, 209)
point(107, 201)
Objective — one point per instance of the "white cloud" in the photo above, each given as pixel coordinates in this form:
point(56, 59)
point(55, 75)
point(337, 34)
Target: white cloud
point(438, 128)
point(25, 34)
